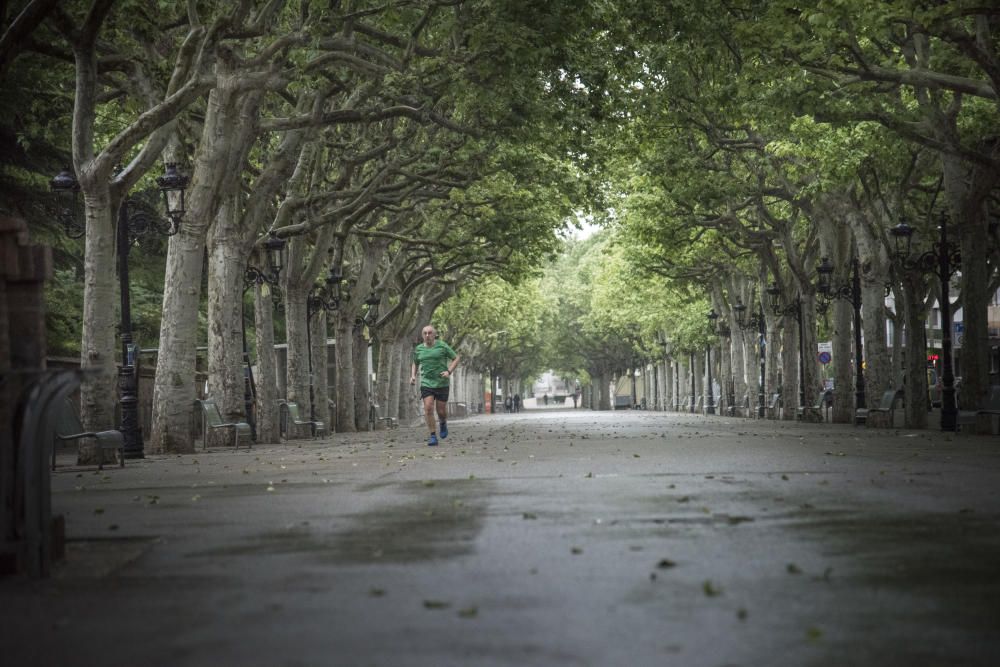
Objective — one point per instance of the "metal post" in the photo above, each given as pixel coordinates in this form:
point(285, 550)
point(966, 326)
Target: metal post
point(732, 390)
point(249, 391)
point(940, 256)
point(860, 401)
point(762, 344)
point(949, 409)
point(635, 396)
point(656, 386)
point(729, 388)
point(693, 389)
point(802, 356)
point(128, 374)
point(677, 384)
point(309, 357)
point(710, 401)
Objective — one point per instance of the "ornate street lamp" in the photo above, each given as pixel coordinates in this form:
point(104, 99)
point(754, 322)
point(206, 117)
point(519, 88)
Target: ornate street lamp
point(944, 259)
point(66, 187)
point(274, 248)
point(274, 252)
point(851, 293)
point(135, 220)
point(755, 322)
point(371, 314)
point(710, 401)
point(795, 310)
point(172, 185)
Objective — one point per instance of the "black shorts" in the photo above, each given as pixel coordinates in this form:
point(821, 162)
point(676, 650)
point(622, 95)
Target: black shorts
point(439, 393)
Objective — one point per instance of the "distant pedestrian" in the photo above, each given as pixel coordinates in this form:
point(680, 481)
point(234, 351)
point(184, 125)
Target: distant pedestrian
point(517, 402)
point(545, 399)
point(574, 400)
point(508, 405)
point(436, 361)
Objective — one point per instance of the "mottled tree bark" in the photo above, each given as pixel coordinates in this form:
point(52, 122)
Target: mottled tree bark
point(345, 375)
point(226, 259)
point(297, 371)
point(361, 394)
point(99, 335)
point(391, 374)
point(915, 377)
point(603, 388)
point(266, 368)
point(174, 390)
point(320, 355)
point(843, 360)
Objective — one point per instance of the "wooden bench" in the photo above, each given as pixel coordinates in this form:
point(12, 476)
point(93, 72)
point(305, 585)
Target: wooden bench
point(746, 407)
point(212, 421)
point(982, 420)
point(375, 417)
point(824, 400)
point(773, 407)
point(883, 413)
point(68, 427)
point(291, 416)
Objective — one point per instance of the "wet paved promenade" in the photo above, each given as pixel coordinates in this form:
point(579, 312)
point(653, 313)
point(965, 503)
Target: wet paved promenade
point(545, 538)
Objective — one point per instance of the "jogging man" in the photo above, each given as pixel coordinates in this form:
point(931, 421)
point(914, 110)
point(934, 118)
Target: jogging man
point(436, 360)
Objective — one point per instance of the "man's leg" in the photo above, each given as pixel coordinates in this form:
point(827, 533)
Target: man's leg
point(442, 411)
point(429, 419)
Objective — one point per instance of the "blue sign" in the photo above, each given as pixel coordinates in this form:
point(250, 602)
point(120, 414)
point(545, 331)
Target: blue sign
point(824, 358)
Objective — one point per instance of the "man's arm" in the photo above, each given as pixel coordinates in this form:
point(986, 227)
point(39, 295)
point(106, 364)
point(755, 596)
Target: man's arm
point(452, 364)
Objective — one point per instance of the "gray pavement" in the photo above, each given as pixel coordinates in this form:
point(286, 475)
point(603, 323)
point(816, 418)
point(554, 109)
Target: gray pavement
point(549, 537)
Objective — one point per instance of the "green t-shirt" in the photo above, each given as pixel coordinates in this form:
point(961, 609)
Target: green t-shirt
point(432, 362)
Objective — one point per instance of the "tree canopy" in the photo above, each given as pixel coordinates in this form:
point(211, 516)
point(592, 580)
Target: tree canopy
point(436, 155)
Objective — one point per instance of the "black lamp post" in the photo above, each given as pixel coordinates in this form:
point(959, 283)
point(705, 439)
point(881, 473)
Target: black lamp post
point(662, 340)
point(135, 220)
point(850, 293)
point(632, 373)
point(677, 384)
point(757, 322)
point(724, 331)
point(370, 318)
point(274, 248)
point(795, 310)
point(943, 259)
point(321, 297)
point(710, 401)
point(693, 388)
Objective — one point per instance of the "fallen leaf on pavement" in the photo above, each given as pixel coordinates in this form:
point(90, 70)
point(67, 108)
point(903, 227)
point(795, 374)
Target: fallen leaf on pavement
point(710, 589)
point(436, 604)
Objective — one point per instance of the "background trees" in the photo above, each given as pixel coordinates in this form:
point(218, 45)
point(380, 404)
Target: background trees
point(431, 151)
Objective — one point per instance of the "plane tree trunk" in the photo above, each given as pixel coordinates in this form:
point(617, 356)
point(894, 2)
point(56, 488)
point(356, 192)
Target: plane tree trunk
point(266, 377)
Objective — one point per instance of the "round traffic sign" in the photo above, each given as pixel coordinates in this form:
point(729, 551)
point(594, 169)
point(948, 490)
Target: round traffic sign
point(824, 358)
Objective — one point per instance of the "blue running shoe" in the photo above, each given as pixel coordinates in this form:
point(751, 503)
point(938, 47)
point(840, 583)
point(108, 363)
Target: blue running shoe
point(432, 441)
point(443, 430)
